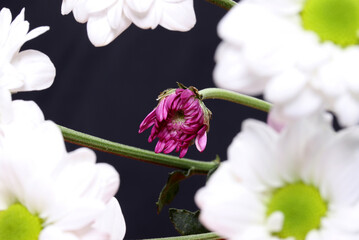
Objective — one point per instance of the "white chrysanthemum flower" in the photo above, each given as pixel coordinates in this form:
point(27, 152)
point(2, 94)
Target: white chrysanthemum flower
point(302, 54)
point(47, 193)
point(299, 184)
point(108, 19)
point(26, 70)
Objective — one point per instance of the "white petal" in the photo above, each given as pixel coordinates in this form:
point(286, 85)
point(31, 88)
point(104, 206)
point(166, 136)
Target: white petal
point(80, 12)
point(112, 221)
point(6, 110)
point(232, 72)
point(55, 233)
point(275, 221)
point(285, 86)
point(27, 112)
point(300, 144)
point(282, 7)
point(347, 109)
point(36, 32)
point(178, 16)
point(305, 104)
point(93, 6)
point(37, 70)
point(253, 157)
point(146, 19)
point(226, 207)
point(341, 165)
point(140, 6)
point(80, 215)
point(116, 17)
point(5, 21)
point(67, 6)
point(101, 33)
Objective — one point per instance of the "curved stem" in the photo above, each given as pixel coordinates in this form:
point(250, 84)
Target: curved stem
point(203, 236)
point(226, 4)
point(100, 144)
point(219, 93)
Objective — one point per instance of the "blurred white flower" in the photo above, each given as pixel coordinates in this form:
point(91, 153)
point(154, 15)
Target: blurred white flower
point(47, 193)
point(301, 54)
point(108, 19)
point(301, 183)
point(26, 70)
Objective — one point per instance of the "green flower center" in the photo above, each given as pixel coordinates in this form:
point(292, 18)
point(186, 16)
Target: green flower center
point(333, 20)
point(17, 223)
point(302, 206)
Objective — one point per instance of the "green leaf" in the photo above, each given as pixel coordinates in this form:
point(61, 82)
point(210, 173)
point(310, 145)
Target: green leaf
point(171, 188)
point(186, 222)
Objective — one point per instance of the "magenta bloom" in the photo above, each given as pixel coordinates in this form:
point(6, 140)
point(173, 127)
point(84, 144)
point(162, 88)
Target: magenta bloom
point(179, 120)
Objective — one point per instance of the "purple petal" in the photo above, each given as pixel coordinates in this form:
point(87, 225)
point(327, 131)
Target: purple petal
point(175, 103)
point(186, 94)
point(201, 141)
point(170, 146)
point(159, 146)
point(148, 121)
point(183, 152)
point(179, 90)
point(159, 111)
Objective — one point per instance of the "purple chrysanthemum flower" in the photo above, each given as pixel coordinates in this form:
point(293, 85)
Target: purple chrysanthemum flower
point(179, 120)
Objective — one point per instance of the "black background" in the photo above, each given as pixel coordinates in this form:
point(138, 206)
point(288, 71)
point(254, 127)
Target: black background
point(108, 91)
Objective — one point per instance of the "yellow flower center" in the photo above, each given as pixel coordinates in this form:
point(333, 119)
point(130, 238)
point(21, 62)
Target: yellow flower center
point(333, 20)
point(17, 223)
point(302, 207)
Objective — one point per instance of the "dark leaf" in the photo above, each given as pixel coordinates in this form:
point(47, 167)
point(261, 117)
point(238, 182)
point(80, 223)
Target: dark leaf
point(171, 188)
point(186, 222)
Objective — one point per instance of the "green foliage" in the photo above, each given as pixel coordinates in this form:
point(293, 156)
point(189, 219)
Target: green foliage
point(186, 222)
point(171, 188)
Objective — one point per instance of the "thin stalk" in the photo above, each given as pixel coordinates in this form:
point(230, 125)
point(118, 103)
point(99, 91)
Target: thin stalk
point(203, 236)
point(100, 144)
point(218, 93)
point(226, 4)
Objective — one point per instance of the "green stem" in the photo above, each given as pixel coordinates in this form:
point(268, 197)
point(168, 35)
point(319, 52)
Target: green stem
point(218, 93)
point(203, 236)
point(100, 144)
point(226, 4)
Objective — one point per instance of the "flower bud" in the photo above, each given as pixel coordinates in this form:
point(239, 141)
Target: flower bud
point(179, 120)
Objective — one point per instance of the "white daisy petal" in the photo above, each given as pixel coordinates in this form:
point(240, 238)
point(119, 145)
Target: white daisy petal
point(112, 221)
point(27, 112)
point(5, 21)
point(101, 33)
point(108, 19)
point(54, 233)
point(249, 154)
point(241, 205)
point(347, 109)
point(285, 86)
point(143, 17)
point(178, 16)
point(93, 6)
point(37, 70)
point(67, 6)
point(306, 103)
point(140, 6)
point(27, 70)
point(117, 18)
point(227, 75)
point(36, 32)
